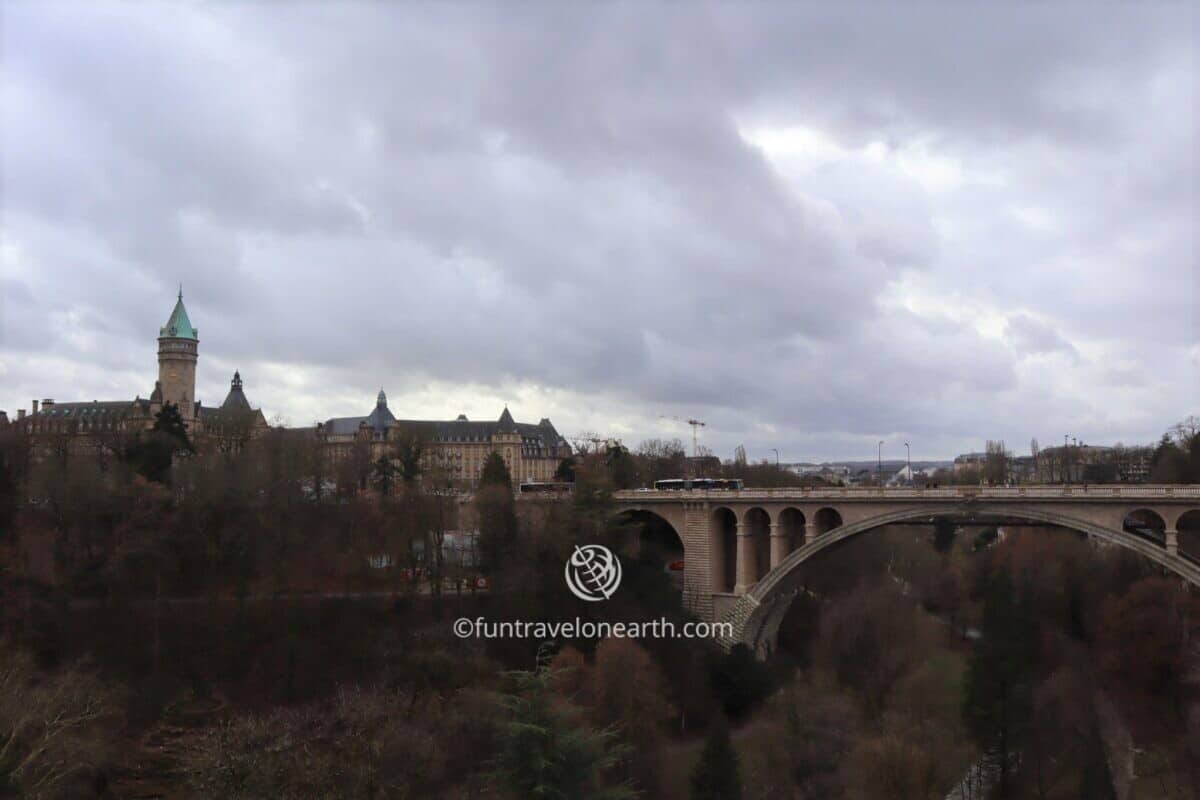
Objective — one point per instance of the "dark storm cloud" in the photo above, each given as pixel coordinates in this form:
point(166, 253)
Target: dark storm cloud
point(814, 226)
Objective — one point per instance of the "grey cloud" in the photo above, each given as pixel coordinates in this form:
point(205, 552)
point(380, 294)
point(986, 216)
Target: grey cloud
point(561, 196)
point(1033, 336)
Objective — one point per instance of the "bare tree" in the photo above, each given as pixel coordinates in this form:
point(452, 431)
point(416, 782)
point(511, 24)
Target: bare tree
point(230, 430)
point(51, 729)
point(590, 442)
point(1186, 430)
point(996, 462)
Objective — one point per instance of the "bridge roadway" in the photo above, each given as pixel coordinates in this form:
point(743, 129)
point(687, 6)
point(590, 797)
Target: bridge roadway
point(742, 548)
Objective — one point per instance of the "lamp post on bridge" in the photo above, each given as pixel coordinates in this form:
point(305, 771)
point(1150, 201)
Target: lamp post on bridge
point(908, 462)
point(776, 449)
point(1066, 460)
point(879, 465)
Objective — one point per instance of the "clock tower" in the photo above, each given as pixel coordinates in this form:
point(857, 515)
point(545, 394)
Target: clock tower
point(178, 344)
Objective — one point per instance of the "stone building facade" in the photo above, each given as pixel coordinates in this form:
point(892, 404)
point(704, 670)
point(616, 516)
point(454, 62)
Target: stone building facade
point(455, 448)
point(90, 426)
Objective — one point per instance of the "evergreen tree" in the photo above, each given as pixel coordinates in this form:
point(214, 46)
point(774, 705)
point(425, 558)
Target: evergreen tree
point(408, 451)
point(740, 681)
point(170, 422)
point(566, 470)
point(155, 451)
point(622, 469)
point(543, 752)
point(1176, 459)
point(943, 535)
point(497, 515)
point(716, 775)
point(385, 474)
point(9, 495)
point(998, 688)
point(495, 472)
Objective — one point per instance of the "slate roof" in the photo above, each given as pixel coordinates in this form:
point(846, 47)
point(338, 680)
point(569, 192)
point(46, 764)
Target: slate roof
point(93, 410)
point(113, 409)
point(98, 408)
point(381, 417)
point(343, 426)
point(541, 436)
point(236, 399)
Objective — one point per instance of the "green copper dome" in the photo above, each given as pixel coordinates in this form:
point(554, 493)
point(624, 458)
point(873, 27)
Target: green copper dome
point(179, 326)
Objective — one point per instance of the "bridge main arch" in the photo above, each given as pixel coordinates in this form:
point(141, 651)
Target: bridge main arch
point(757, 613)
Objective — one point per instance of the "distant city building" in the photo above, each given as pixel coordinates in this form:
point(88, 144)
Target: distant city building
point(1134, 463)
point(862, 475)
point(702, 466)
point(90, 426)
point(1022, 469)
point(1085, 463)
point(969, 461)
point(457, 448)
point(907, 475)
point(830, 473)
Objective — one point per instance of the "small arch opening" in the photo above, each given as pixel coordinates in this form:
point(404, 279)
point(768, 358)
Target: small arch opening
point(723, 550)
point(792, 522)
point(826, 520)
point(1188, 528)
point(757, 524)
point(1147, 524)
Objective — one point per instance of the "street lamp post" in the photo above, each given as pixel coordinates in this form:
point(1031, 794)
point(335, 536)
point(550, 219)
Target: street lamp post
point(879, 466)
point(908, 461)
point(776, 457)
point(1066, 460)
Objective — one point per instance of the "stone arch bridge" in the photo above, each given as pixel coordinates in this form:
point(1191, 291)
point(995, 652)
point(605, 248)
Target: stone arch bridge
point(742, 548)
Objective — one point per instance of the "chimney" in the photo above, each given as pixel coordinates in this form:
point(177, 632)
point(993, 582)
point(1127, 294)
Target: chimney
point(35, 406)
point(20, 413)
point(49, 401)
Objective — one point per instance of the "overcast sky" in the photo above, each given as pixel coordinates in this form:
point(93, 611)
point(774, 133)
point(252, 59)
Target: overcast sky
point(811, 227)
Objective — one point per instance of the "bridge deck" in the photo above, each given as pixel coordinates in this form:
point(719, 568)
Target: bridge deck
point(818, 493)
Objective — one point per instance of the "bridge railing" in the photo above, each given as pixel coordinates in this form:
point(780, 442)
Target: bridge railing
point(1097, 492)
